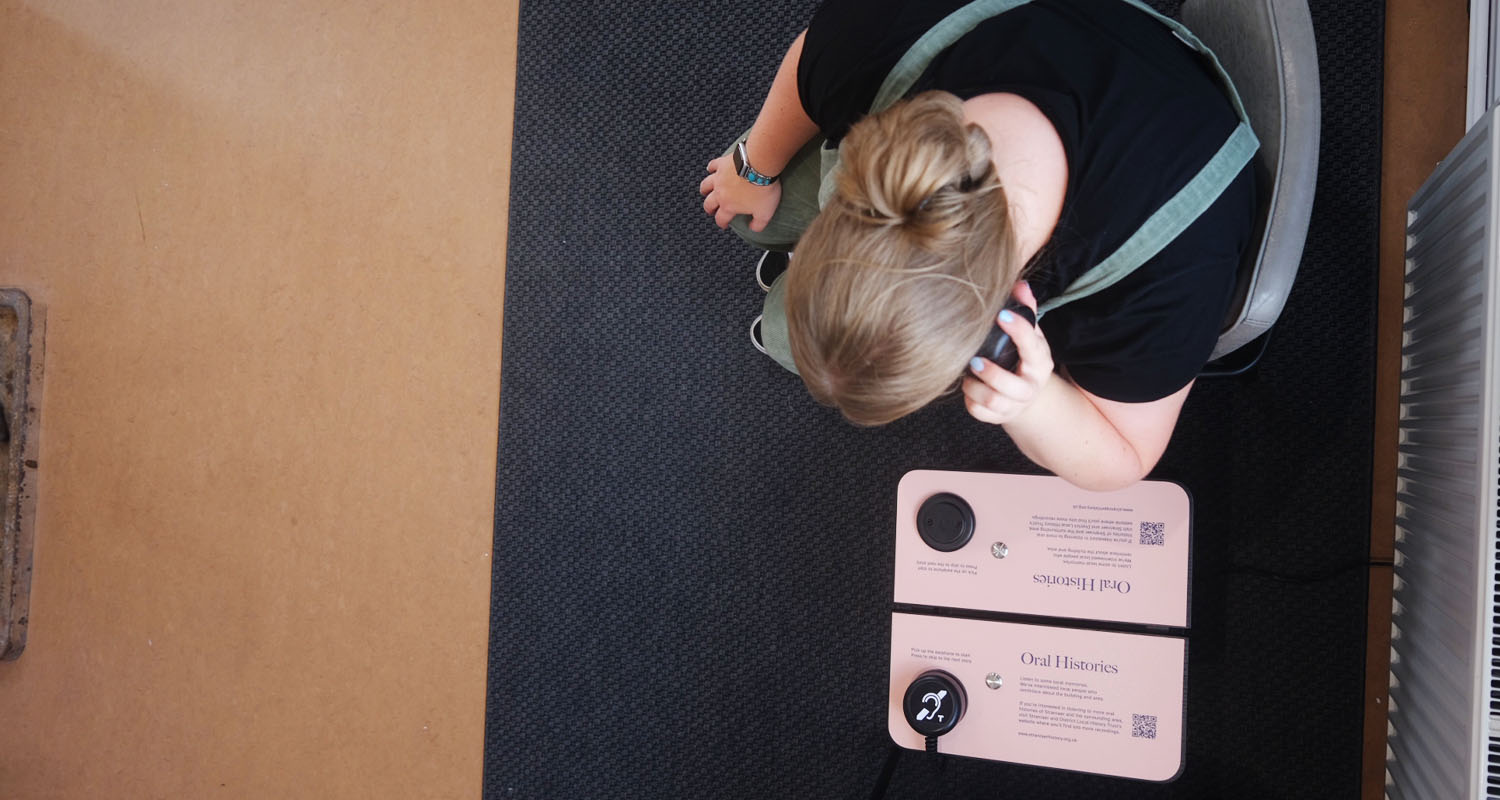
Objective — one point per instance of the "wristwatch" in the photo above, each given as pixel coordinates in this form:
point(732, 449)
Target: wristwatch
point(743, 168)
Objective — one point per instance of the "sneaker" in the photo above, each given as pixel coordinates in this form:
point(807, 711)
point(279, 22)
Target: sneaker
point(770, 266)
point(755, 336)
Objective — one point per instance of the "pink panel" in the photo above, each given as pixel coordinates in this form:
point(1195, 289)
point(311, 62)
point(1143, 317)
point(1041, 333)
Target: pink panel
point(1088, 701)
point(1118, 556)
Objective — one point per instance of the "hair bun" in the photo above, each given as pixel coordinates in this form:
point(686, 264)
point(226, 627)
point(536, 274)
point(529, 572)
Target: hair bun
point(914, 163)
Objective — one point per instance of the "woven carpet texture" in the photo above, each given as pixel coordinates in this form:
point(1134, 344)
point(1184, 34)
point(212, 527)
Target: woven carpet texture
point(693, 561)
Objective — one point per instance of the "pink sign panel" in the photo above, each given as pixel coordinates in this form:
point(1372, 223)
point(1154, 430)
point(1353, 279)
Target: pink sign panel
point(1039, 545)
point(1088, 701)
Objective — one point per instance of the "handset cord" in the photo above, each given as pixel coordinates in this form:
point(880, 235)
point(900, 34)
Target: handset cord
point(1302, 577)
point(886, 773)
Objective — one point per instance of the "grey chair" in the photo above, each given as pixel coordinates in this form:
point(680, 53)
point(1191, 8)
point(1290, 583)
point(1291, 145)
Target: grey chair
point(1267, 48)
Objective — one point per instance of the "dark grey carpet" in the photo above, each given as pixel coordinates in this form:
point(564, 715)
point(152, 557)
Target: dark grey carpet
point(693, 561)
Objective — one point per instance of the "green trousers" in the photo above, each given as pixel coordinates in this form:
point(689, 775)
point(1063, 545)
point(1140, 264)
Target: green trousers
point(800, 183)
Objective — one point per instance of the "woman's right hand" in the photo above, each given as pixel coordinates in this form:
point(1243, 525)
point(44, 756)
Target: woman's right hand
point(995, 395)
point(726, 195)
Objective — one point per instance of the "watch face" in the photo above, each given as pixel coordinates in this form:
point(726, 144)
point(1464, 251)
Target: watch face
point(739, 159)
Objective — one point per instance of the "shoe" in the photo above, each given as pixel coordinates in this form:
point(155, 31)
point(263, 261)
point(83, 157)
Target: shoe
point(755, 336)
point(770, 266)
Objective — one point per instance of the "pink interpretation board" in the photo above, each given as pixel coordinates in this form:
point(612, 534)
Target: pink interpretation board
point(1090, 701)
point(1041, 546)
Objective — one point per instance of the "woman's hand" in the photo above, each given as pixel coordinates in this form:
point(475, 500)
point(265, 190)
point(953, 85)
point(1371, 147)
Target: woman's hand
point(997, 396)
point(726, 195)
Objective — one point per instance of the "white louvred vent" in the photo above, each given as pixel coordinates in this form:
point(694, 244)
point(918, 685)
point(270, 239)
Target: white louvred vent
point(1445, 647)
point(1492, 762)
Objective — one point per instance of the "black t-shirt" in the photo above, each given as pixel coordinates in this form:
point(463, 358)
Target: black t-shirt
point(1139, 115)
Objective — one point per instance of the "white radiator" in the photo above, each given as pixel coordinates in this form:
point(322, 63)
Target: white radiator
point(1445, 664)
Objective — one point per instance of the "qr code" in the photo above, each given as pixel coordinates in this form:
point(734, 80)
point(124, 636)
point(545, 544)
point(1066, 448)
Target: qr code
point(1142, 726)
point(1154, 533)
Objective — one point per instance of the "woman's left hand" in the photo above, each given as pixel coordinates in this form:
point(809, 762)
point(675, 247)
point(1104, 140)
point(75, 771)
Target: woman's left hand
point(998, 396)
point(726, 195)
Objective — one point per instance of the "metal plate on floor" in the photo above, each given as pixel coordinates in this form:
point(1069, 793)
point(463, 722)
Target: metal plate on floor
point(21, 330)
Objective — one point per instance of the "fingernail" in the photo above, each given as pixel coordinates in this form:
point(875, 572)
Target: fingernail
point(1026, 285)
point(977, 364)
point(1006, 316)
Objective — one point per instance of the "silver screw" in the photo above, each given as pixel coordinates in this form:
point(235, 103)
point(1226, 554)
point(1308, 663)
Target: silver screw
point(999, 550)
point(993, 680)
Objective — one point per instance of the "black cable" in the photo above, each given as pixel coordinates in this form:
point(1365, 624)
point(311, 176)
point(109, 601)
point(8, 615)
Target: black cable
point(1301, 577)
point(886, 773)
point(932, 744)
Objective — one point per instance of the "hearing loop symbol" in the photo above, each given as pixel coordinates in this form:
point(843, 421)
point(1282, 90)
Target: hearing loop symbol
point(936, 698)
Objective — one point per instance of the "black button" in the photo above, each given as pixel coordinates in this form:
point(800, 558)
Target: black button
point(934, 703)
point(945, 522)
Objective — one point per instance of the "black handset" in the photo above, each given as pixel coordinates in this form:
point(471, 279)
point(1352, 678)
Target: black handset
point(998, 347)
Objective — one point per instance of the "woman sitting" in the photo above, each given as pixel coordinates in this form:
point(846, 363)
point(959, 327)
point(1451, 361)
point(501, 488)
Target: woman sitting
point(1031, 152)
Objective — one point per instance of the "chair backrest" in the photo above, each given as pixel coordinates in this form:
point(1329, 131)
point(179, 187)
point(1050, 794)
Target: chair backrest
point(1267, 48)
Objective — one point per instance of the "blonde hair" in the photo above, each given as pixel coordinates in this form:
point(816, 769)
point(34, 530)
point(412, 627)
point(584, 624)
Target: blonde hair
point(896, 283)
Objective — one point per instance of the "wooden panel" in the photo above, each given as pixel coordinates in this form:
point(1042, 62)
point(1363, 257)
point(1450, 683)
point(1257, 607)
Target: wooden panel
point(1377, 682)
point(270, 236)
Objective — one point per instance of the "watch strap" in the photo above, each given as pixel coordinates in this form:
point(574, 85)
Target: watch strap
point(743, 168)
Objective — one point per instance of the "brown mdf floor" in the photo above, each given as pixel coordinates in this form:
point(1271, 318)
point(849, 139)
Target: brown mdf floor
point(1426, 63)
point(270, 238)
